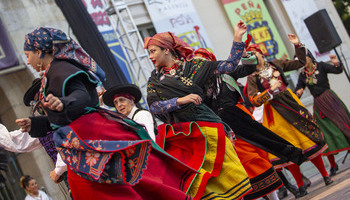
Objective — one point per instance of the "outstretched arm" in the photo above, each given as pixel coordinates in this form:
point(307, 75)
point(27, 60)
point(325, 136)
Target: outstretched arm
point(300, 52)
point(17, 141)
point(236, 52)
point(159, 107)
point(337, 66)
point(258, 98)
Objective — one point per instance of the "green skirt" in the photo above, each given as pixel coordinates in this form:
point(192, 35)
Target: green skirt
point(333, 136)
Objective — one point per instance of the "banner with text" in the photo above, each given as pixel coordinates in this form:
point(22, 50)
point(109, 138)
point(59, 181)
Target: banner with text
point(180, 18)
point(297, 14)
point(260, 25)
point(100, 17)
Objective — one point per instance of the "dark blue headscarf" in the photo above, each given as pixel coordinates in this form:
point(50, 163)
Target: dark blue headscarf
point(309, 54)
point(55, 41)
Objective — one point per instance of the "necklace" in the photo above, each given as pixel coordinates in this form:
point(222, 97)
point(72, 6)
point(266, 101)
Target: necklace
point(311, 74)
point(171, 71)
point(269, 73)
point(43, 83)
point(266, 72)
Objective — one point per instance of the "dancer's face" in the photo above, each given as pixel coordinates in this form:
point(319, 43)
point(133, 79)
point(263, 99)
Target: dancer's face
point(308, 61)
point(33, 59)
point(159, 57)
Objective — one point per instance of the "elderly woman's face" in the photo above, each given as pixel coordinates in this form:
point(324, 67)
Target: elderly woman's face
point(159, 57)
point(33, 59)
point(123, 105)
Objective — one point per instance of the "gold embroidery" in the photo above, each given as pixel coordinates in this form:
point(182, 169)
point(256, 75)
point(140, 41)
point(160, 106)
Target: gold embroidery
point(186, 81)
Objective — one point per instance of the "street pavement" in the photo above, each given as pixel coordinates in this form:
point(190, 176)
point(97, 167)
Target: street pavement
point(338, 190)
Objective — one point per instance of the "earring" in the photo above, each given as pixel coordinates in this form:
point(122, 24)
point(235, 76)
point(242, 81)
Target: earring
point(40, 68)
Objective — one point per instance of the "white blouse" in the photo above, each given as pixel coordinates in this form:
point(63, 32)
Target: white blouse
point(41, 196)
point(144, 117)
point(21, 142)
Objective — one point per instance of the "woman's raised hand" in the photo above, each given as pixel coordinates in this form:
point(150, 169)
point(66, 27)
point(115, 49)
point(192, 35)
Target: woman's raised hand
point(334, 60)
point(239, 29)
point(293, 39)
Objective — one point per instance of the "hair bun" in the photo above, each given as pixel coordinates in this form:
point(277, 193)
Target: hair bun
point(24, 180)
point(21, 181)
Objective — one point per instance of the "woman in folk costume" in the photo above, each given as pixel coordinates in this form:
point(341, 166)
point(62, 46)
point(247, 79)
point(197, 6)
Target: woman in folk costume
point(192, 132)
point(125, 98)
point(332, 116)
point(108, 156)
point(283, 112)
point(250, 134)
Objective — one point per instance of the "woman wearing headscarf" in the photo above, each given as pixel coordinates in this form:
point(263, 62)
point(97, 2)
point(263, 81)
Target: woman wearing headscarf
point(253, 139)
point(332, 115)
point(283, 112)
point(125, 98)
point(192, 132)
point(108, 156)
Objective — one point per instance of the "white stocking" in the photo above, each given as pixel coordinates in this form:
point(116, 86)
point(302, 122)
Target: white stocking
point(273, 195)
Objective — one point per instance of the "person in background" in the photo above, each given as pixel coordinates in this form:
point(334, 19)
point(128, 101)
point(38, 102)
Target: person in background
point(31, 188)
point(125, 98)
point(332, 115)
point(283, 112)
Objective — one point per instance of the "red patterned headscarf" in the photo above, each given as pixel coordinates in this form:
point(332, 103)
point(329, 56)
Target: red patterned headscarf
point(204, 53)
point(126, 95)
point(255, 47)
point(169, 41)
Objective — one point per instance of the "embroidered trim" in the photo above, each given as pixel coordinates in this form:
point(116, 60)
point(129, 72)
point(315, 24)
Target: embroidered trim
point(260, 99)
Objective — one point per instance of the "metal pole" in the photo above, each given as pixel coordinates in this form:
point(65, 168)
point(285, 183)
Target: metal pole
point(345, 68)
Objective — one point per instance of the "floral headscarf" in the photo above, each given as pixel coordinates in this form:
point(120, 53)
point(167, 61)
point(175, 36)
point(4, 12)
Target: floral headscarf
point(255, 47)
point(309, 54)
point(55, 41)
point(204, 53)
point(168, 40)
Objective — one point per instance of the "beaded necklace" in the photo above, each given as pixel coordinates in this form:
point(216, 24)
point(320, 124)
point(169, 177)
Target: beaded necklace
point(311, 75)
point(171, 71)
point(269, 73)
point(43, 83)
